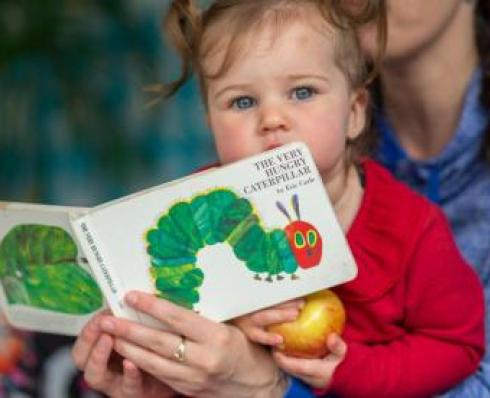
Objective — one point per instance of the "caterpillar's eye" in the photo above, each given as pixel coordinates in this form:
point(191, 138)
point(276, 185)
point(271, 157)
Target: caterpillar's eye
point(299, 240)
point(311, 237)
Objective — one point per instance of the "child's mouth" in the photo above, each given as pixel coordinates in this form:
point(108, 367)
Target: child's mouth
point(273, 146)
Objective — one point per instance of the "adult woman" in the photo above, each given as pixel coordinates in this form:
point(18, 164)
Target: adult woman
point(433, 116)
point(245, 370)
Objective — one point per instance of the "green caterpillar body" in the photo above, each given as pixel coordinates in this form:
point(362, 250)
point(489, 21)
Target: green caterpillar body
point(216, 217)
point(39, 268)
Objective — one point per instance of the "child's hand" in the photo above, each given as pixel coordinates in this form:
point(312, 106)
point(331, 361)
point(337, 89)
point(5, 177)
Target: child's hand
point(254, 324)
point(315, 372)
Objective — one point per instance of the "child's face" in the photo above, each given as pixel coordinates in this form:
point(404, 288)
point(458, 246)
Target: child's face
point(281, 91)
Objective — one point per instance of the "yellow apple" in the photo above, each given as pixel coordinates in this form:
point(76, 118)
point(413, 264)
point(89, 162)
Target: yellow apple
point(306, 337)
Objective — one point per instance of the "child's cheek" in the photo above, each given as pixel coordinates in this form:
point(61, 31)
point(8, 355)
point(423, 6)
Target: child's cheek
point(231, 147)
point(234, 140)
point(327, 144)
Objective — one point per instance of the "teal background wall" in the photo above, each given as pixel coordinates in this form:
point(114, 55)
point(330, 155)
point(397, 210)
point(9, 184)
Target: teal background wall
point(74, 125)
point(75, 129)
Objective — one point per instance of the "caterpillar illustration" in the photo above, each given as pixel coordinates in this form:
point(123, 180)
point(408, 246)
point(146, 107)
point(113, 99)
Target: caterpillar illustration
point(40, 267)
point(221, 216)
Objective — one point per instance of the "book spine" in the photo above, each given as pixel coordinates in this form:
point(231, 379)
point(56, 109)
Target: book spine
point(104, 273)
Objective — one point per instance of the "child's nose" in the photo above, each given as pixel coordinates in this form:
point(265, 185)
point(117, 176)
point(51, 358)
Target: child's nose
point(273, 119)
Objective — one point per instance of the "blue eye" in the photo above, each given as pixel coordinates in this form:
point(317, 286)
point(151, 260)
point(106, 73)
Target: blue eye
point(302, 93)
point(243, 102)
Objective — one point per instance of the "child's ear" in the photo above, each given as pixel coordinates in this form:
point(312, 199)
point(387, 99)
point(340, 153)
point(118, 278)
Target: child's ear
point(358, 107)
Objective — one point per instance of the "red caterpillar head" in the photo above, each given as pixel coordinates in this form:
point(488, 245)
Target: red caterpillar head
point(304, 239)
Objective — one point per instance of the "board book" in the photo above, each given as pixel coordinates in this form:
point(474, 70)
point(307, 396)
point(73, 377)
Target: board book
point(224, 242)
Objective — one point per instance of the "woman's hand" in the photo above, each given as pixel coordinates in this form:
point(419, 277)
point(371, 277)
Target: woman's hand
point(109, 373)
point(217, 360)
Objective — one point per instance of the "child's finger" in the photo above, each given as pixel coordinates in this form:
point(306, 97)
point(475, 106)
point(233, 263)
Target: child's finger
point(260, 336)
point(274, 315)
point(315, 372)
point(255, 333)
point(298, 367)
point(336, 346)
point(132, 381)
point(295, 304)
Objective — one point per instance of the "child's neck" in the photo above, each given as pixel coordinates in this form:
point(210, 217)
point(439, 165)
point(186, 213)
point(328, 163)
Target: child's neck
point(346, 197)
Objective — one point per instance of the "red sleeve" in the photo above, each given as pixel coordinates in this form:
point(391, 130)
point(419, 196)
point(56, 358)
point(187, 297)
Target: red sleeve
point(444, 337)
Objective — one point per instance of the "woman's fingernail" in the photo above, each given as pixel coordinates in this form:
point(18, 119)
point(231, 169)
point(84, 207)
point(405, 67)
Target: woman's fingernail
point(131, 298)
point(107, 325)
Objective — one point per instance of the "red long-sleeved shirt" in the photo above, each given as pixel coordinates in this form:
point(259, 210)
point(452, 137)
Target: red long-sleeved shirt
point(415, 311)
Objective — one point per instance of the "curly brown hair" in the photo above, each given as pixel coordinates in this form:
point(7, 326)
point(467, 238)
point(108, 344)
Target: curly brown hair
point(194, 33)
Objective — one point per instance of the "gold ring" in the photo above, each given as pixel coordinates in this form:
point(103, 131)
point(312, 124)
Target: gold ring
point(179, 353)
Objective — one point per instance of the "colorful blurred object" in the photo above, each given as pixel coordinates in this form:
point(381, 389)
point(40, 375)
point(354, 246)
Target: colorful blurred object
point(74, 125)
point(11, 347)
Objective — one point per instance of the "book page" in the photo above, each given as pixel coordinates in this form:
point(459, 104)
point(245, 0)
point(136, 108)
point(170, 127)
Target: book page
point(46, 284)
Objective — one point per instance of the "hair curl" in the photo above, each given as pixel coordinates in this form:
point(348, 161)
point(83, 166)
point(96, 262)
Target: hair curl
point(186, 27)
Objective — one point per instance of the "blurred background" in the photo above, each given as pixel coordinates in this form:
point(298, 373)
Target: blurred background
point(75, 129)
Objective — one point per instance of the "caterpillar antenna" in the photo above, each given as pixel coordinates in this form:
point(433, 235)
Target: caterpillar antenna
point(295, 203)
point(283, 210)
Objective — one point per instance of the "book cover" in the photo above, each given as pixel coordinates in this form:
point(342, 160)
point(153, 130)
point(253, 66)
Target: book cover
point(224, 242)
point(45, 281)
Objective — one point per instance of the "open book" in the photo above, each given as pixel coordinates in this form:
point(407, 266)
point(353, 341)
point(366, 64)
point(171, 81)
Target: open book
point(223, 242)
point(46, 282)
